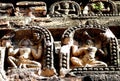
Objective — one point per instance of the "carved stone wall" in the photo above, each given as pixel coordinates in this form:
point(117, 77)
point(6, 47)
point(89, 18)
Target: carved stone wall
point(56, 28)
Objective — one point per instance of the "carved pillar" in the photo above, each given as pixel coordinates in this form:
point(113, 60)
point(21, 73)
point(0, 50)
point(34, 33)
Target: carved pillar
point(2, 57)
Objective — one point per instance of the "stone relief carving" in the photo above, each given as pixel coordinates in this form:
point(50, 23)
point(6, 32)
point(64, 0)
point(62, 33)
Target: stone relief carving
point(6, 9)
point(65, 8)
point(31, 9)
point(100, 7)
point(88, 58)
point(82, 48)
point(25, 54)
point(28, 52)
point(31, 56)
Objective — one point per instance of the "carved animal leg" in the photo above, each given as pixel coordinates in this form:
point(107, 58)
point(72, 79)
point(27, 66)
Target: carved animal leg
point(30, 64)
point(12, 61)
point(98, 64)
point(22, 65)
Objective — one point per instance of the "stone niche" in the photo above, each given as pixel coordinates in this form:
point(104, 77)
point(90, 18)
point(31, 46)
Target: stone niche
point(108, 7)
point(27, 53)
point(37, 8)
point(65, 8)
point(76, 63)
point(55, 48)
point(6, 9)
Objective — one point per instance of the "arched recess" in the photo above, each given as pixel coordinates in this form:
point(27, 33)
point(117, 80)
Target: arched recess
point(109, 7)
point(108, 43)
point(46, 60)
point(68, 8)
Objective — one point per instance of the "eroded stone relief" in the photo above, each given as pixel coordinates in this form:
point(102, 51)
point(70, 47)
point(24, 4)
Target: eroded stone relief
point(69, 39)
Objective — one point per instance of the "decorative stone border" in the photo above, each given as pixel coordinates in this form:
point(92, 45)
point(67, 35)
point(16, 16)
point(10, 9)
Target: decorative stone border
point(114, 53)
point(48, 60)
point(48, 46)
point(71, 29)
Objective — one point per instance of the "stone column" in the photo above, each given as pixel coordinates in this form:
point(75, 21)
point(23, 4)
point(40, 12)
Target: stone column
point(2, 58)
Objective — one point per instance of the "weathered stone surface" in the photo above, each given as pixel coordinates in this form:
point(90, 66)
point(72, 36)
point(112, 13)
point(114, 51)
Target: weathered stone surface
point(56, 26)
